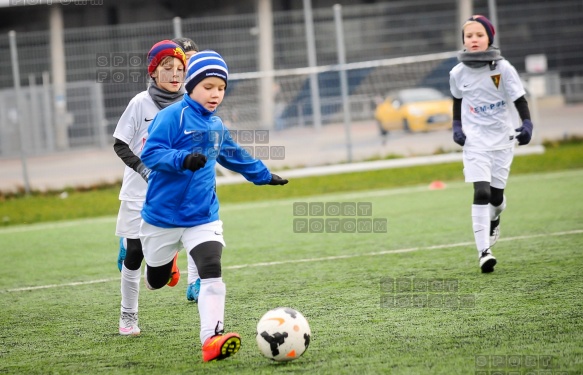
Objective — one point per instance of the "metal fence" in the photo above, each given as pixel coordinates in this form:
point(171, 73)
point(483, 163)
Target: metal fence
point(102, 63)
point(35, 124)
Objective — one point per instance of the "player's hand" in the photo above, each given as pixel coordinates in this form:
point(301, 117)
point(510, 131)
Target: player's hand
point(276, 180)
point(194, 161)
point(458, 134)
point(525, 133)
point(144, 171)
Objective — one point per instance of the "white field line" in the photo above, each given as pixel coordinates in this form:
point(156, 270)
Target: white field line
point(312, 260)
point(374, 165)
point(229, 207)
point(58, 285)
point(57, 224)
point(282, 202)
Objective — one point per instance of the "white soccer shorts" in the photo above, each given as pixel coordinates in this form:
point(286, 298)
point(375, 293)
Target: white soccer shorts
point(128, 219)
point(160, 245)
point(489, 166)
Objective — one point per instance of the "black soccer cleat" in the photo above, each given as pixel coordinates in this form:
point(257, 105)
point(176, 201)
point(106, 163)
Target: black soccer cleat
point(487, 261)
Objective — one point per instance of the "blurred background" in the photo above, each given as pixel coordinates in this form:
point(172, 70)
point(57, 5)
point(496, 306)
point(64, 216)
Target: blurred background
point(293, 64)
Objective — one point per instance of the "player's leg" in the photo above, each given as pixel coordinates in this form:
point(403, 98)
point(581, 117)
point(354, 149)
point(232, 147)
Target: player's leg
point(121, 255)
point(174, 272)
point(130, 288)
point(160, 247)
point(207, 256)
point(206, 243)
point(477, 171)
point(481, 225)
point(193, 288)
point(502, 160)
point(497, 205)
point(127, 227)
point(216, 344)
point(158, 276)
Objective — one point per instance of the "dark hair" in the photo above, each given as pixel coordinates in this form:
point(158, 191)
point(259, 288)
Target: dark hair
point(186, 44)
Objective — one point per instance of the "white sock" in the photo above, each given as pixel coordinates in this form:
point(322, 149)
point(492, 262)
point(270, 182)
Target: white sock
point(211, 306)
point(481, 225)
point(495, 211)
point(192, 270)
point(130, 289)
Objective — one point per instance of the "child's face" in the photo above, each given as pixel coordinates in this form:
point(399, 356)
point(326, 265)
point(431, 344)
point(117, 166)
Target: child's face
point(209, 93)
point(169, 75)
point(475, 37)
point(189, 54)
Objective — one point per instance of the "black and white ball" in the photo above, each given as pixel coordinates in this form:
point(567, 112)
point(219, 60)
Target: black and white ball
point(283, 334)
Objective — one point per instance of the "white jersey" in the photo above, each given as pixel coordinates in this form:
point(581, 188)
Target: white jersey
point(132, 128)
point(489, 115)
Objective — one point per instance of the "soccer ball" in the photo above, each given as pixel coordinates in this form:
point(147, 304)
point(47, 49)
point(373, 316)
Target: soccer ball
point(283, 334)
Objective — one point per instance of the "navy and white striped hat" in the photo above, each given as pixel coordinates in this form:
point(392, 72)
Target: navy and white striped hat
point(202, 65)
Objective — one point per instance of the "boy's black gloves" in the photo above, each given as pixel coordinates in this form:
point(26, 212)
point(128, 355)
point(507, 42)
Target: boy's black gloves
point(276, 180)
point(525, 133)
point(194, 161)
point(458, 135)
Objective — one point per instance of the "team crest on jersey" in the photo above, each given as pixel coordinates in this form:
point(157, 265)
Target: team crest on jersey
point(496, 79)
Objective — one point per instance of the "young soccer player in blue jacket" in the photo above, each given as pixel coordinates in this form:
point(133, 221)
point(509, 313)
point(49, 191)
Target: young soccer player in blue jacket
point(182, 208)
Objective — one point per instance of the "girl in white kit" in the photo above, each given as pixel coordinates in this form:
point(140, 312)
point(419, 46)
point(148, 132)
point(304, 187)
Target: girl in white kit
point(490, 114)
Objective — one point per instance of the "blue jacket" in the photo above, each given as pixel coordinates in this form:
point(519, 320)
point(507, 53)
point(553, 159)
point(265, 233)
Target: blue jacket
point(178, 197)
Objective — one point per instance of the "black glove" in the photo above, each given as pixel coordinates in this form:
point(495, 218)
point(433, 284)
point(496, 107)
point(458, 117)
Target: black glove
point(194, 161)
point(525, 133)
point(276, 180)
point(143, 171)
point(458, 135)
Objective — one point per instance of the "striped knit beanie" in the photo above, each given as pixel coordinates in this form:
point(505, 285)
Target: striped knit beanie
point(162, 49)
point(202, 65)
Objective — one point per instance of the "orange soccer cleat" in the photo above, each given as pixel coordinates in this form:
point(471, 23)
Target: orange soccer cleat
point(220, 347)
point(175, 273)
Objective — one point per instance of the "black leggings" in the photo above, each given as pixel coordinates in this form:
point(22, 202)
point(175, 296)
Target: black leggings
point(484, 194)
point(207, 257)
point(134, 254)
point(159, 276)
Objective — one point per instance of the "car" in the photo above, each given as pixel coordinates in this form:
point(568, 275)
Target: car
point(418, 109)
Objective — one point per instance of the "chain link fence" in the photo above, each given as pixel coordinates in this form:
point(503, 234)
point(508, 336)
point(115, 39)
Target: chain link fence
point(106, 66)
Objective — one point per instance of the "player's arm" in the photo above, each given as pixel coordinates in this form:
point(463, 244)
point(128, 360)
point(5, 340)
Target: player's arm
point(522, 108)
point(160, 152)
point(526, 129)
point(235, 158)
point(458, 134)
point(457, 109)
point(130, 159)
point(124, 132)
point(515, 91)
